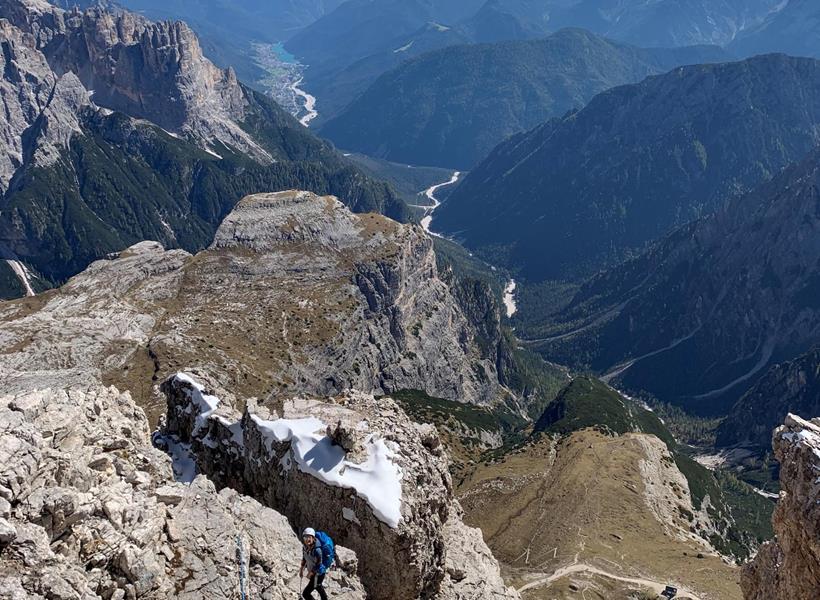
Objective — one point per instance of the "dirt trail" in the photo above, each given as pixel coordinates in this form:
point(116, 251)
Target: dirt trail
point(655, 586)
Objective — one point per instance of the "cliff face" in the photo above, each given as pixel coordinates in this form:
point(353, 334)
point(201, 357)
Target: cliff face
point(89, 509)
point(153, 71)
point(789, 566)
point(118, 130)
point(36, 102)
point(354, 466)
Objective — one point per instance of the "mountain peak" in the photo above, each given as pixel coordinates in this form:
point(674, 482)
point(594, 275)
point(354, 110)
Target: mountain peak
point(263, 221)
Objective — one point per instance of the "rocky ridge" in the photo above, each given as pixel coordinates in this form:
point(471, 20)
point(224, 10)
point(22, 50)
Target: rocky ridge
point(348, 441)
point(358, 304)
point(789, 566)
point(340, 283)
point(89, 509)
point(35, 101)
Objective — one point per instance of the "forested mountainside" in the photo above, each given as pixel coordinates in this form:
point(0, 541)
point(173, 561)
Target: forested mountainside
point(593, 187)
point(449, 108)
point(789, 387)
point(348, 48)
point(697, 318)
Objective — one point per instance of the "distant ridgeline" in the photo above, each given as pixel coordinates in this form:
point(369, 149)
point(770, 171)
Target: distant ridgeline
point(449, 108)
point(348, 48)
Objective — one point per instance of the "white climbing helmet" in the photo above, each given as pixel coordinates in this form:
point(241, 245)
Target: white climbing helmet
point(309, 531)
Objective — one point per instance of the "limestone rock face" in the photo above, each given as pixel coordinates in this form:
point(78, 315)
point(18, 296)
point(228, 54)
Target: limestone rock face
point(789, 566)
point(34, 100)
point(106, 316)
point(409, 332)
point(425, 552)
point(471, 570)
point(153, 71)
point(90, 510)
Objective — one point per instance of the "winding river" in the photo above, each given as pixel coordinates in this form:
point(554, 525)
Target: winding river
point(509, 290)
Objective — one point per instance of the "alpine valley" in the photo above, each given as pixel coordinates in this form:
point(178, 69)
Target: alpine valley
point(545, 326)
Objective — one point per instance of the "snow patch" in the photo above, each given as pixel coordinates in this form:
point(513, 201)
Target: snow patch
point(766, 494)
point(212, 153)
point(509, 298)
point(23, 274)
point(808, 434)
point(377, 480)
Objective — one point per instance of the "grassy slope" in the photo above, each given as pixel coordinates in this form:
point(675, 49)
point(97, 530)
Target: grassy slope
point(588, 403)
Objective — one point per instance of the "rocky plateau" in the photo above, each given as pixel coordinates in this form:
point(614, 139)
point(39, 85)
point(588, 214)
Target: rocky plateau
point(297, 295)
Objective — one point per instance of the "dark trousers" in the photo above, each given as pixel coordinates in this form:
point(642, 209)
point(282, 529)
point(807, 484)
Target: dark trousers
point(315, 583)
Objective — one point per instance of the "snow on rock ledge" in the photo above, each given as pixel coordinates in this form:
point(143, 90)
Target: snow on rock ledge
point(374, 480)
point(789, 566)
point(377, 480)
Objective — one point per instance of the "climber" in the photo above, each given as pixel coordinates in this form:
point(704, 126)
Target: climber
point(318, 553)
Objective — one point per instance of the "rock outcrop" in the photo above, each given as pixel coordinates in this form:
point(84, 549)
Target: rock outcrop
point(387, 494)
point(89, 509)
point(789, 387)
point(359, 302)
point(789, 566)
point(296, 296)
